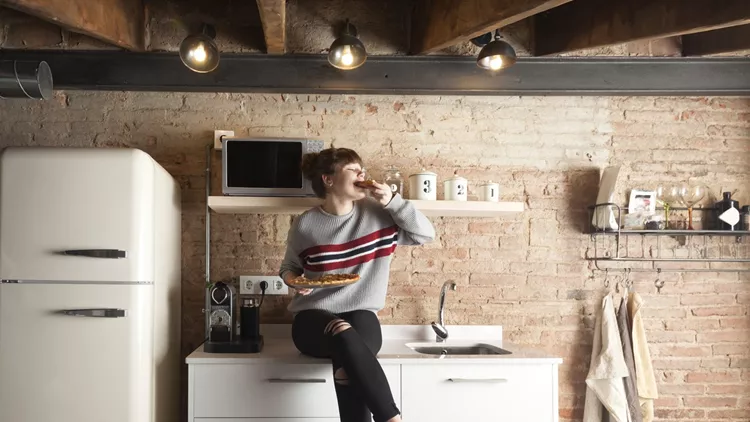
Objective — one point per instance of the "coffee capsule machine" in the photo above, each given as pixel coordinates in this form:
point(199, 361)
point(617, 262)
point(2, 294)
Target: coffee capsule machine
point(222, 317)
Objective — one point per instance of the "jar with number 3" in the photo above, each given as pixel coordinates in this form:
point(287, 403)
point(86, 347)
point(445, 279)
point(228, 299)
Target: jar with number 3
point(422, 186)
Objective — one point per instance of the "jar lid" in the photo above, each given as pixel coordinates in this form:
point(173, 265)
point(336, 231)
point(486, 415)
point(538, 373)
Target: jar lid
point(424, 173)
point(456, 177)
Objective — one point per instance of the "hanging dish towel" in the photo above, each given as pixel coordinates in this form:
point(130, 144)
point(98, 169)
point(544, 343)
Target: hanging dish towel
point(634, 407)
point(604, 382)
point(644, 370)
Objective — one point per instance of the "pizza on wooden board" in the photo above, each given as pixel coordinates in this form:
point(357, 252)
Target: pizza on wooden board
point(325, 280)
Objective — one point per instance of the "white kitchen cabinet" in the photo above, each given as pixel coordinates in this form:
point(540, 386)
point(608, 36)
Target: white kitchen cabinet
point(435, 392)
point(284, 392)
point(447, 392)
point(282, 385)
point(270, 391)
point(267, 420)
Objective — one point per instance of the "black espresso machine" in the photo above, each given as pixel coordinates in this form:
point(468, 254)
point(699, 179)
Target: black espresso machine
point(222, 316)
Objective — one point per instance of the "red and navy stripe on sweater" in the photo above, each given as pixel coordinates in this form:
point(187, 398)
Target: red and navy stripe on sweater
point(324, 258)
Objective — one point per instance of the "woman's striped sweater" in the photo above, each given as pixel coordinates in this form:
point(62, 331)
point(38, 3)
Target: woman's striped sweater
point(361, 242)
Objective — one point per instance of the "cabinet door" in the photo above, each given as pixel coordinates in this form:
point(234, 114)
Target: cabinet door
point(478, 392)
point(264, 391)
point(286, 391)
point(393, 374)
point(266, 420)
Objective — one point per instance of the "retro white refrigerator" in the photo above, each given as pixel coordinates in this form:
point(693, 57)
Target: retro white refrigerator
point(90, 286)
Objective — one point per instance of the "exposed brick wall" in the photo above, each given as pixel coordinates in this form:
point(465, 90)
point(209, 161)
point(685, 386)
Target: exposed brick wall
point(526, 273)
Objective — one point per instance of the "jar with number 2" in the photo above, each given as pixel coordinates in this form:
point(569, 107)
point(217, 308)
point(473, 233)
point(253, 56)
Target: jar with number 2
point(455, 188)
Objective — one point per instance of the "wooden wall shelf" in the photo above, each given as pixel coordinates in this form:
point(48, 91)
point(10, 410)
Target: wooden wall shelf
point(280, 205)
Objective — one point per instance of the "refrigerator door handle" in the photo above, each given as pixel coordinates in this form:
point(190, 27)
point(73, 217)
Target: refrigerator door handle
point(96, 312)
point(97, 253)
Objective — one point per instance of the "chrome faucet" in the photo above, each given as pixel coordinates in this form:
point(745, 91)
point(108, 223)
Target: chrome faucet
point(439, 327)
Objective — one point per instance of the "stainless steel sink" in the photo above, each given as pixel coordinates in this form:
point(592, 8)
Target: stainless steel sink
point(463, 350)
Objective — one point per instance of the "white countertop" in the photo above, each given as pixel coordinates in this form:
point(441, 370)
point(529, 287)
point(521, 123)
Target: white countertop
point(279, 348)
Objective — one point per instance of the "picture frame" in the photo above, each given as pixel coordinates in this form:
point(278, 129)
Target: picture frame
point(642, 202)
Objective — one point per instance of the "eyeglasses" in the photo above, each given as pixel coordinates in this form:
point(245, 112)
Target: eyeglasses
point(358, 172)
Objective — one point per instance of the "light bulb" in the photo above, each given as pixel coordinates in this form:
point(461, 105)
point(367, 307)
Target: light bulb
point(496, 62)
point(199, 53)
point(347, 59)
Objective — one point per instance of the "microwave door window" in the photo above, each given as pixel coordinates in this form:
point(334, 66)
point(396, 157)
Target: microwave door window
point(258, 164)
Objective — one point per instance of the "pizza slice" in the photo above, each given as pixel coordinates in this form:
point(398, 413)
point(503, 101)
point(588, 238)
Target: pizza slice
point(326, 280)
point(366, 184)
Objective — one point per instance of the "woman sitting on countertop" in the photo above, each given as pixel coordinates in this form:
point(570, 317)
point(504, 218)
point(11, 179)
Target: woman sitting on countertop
point(349, 233)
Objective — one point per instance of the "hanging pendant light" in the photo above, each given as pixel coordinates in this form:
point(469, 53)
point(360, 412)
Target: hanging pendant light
point(496, 55)
point(199, 51)
point(347, 51)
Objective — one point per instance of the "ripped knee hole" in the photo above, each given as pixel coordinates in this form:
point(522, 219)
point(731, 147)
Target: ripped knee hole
point(336, 326)
point(340, 377)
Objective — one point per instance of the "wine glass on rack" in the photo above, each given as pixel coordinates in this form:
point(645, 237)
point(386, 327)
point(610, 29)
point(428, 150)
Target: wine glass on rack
point(667, 196)
point(691, 195)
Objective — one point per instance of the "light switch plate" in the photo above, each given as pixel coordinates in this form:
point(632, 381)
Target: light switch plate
point(217, 137)
point(250, 285)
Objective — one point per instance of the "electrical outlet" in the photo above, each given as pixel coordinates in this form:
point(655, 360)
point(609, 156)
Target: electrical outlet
point(250, 285)
point(218, 134)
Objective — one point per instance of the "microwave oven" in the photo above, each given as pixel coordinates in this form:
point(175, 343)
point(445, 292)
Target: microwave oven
point(266, 166)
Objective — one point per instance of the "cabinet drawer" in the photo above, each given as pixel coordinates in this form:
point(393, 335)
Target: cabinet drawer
point(265, 390)
point(478, 392)
point(271, 391)
point(266, 420)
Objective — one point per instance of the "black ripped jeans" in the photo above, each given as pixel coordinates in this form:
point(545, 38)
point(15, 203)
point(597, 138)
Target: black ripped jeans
point(367, 391)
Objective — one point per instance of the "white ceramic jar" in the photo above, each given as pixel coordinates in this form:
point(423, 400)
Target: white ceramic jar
point(423, 185)
point(489, 192)
point(456, 188)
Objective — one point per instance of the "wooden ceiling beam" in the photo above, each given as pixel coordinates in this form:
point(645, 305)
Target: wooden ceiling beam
point(438, 24)
point(273, 18)
point(726, 40)
point(586, 24)
point(118, 22)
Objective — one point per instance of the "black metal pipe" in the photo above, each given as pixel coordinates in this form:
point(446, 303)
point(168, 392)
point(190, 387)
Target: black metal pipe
point(25, 79)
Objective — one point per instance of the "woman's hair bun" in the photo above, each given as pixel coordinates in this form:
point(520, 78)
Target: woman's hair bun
point(309, 165)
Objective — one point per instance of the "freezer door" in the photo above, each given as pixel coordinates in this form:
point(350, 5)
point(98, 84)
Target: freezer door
point(76, 214)
point(76, 353)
